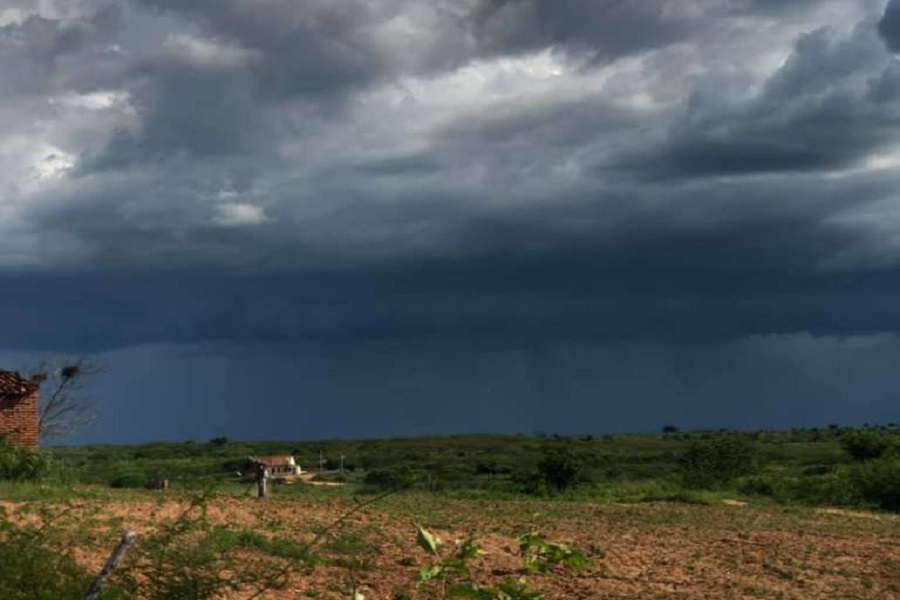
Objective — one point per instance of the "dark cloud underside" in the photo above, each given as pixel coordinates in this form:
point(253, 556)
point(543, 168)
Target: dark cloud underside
point(510, 180)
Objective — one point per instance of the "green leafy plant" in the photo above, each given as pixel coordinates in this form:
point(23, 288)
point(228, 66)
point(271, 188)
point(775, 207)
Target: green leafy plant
point(450, 573)
point(543, 556)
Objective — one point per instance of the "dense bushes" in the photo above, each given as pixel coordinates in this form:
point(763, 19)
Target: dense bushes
point(813, 467)
point(388, 479)
point(21, 464)
point(560, 468)
point(829, 489)
point(878, 482)
point(867, 444)
point(715, 461)
point(527, 482)
point(129, 479)
point(874, 483)
point(185, 559)
point(34, 568)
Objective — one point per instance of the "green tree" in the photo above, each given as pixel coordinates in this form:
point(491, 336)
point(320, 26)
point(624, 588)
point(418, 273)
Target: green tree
point(712, 462)
point(560, 467)
point(878, 482)
point(865, 444)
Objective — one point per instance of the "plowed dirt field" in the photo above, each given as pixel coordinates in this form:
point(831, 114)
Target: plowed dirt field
point(641, 551)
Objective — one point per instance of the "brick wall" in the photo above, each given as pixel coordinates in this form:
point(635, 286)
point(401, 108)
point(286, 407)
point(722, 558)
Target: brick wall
point(19, 419)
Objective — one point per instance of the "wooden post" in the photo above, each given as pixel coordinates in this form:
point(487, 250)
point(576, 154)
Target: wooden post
point(262, 474)
point(93, 591)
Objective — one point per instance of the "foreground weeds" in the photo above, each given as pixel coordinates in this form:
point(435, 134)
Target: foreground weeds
point(49, 551)
point(216, 546)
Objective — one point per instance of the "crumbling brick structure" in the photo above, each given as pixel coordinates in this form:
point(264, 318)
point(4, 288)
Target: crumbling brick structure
point(19, 409)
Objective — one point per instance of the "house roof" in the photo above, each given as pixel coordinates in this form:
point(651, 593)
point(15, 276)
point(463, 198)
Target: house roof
point(13, 384)
point(275, 461)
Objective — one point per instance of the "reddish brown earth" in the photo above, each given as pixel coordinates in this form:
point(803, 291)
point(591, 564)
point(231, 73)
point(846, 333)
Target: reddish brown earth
point(640, 551)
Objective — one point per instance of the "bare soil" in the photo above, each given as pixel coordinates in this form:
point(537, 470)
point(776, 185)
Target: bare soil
point(644, 551)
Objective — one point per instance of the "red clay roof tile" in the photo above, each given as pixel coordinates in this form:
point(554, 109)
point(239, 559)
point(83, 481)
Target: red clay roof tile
point(13, 384)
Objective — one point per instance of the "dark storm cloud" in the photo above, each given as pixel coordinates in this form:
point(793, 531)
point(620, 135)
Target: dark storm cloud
point(889, 26)
point(607, 28)
point(325, 49)
point(311, 48)
point(522, 280)
point(309, 180)
point(187, 108)
point(525, 208)
point(42, 54)
point(46, 39)
point(831, 104)
point(400, 165)
point(223, 93)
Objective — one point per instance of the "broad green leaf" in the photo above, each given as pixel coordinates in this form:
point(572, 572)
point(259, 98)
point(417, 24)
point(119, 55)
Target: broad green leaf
point(426, 540)
point(457, 565)
point(511, 589)
point(469, 550)
point(429, 573)
point(531, 540)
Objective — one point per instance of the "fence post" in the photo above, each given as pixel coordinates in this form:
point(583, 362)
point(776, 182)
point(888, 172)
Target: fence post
point(93, 591)
point(262, 474)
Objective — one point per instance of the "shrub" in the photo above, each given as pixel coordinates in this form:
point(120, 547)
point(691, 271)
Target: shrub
point(388, 479)
point(834, 488)
point(188, 559)
point(237, 465)
point(19, 463)
point(778, 487)
point(866, 444)
point(129, 479)
point(560, 467)
point(715, 461)
point(831, 489)
point(34, 568)
point(527, 482)
point(878, 482)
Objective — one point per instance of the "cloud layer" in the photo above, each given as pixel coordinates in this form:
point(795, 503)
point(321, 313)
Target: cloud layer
point(519, 171)
point(738, 156)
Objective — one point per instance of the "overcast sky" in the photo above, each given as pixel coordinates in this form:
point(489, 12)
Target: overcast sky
point(292, 220)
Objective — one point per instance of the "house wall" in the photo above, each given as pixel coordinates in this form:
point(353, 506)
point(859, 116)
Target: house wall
point(19, 419)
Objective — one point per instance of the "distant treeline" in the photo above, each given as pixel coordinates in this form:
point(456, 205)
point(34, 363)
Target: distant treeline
point(814, 465)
